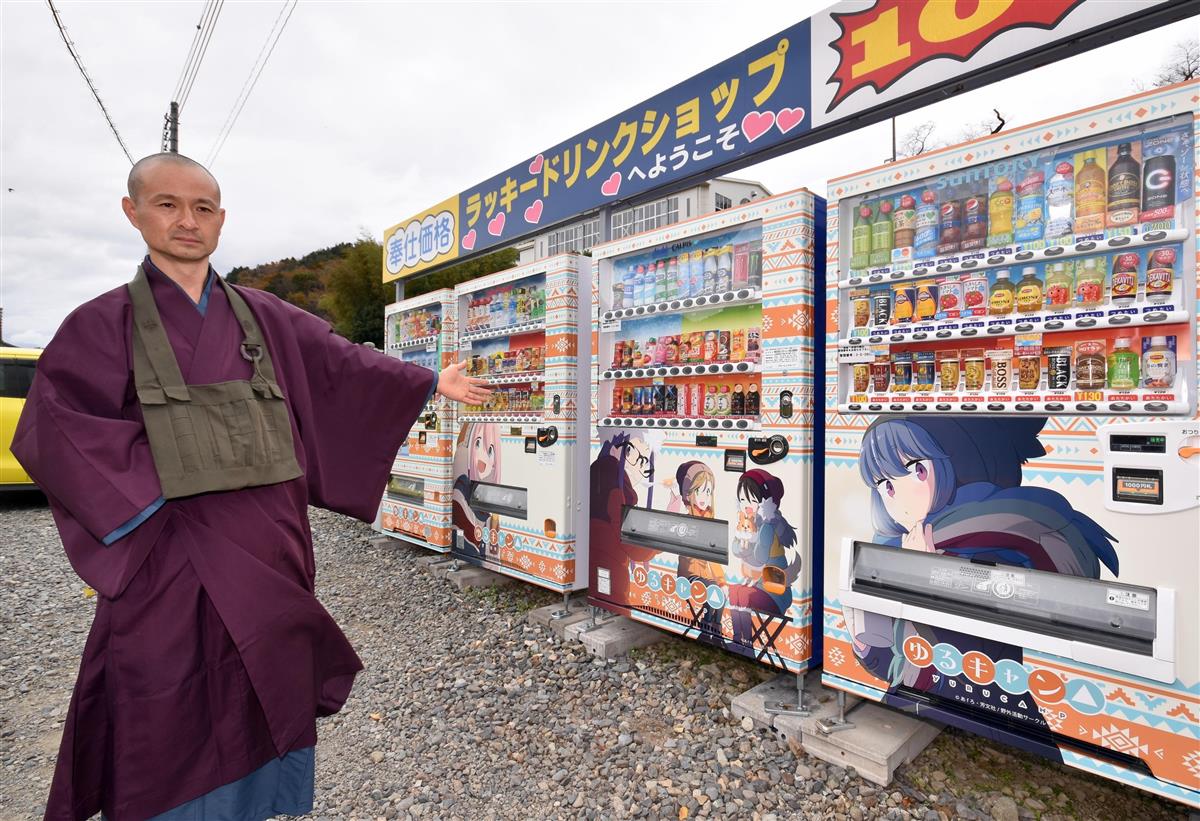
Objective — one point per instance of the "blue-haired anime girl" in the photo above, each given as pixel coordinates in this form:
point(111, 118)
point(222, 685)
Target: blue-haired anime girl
point(952, 485)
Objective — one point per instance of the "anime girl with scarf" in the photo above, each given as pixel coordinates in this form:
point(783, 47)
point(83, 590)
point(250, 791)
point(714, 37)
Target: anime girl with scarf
point(953, 486)
point(768, 562)
point(692, 493)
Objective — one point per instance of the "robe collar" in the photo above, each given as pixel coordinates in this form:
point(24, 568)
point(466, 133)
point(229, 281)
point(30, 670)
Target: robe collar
point(202, 305)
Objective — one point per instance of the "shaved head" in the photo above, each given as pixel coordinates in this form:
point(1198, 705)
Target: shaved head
point(138, 172)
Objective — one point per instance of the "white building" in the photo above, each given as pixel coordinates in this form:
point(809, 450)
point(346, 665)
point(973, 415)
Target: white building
point(703, 198)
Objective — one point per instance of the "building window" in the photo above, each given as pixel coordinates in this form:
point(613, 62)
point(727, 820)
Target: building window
point(647, 217)
point(575, 238)
point(721, 202)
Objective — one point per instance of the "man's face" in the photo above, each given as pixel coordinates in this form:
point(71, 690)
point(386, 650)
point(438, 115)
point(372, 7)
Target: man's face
point(177, 211)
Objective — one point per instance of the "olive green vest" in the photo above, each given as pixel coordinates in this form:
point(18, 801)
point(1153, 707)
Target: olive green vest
point(204, 438)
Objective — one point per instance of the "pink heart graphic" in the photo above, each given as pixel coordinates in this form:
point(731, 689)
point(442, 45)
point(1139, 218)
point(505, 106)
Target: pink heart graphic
point(468, 240)
point(496, 225)
point(612, 185)
point(534, 212)
point(536, 166)
point(756, 123)
point(788, 118)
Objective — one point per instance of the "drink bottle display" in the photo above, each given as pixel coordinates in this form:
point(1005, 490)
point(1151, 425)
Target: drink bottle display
point(949, 226)
point(925, 240)
point(1124, 187)
point(1090, 191)
point(975, 219)
point(683, 487)
point(860, 239)
point(1002, 295)
point(1060, 201)
point(904, 222)
point(1010, 499)
point(1029, 291)
point(1123, 283)
point(1031, 220)
point(881, 234)
point(1000, 212)
point(1060, 285)
point(423, 331)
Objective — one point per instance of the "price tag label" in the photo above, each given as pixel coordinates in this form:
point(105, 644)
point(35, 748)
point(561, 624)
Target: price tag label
point(856, 355)
point(1089, 396)
point(609, 325)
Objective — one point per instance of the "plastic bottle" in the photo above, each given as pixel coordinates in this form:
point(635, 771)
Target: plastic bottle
point(1001, 295)
point(860, 237)
point(904, 222)
point(925, 240)
point(1030, 222)
point(881, 234)
point(1060, 201)
point(710, 401)
point(710, 270)
point(1124, 187)
point(1060, 285)
point(1122, 365)
point(1089, 284)
point(676, 286)
point(1158, 364)
point(724, 268)
point(975, 221)
point(660, 281)
point(1000, 212)
point(737, 403)
point(1090, 196)
point(752, 403)
point(1030, 291)
point(630, 280)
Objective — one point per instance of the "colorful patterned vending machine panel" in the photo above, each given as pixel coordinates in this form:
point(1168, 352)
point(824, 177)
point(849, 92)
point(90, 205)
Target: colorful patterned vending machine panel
point(702, 439)
point(519, 468)
point(1012, 472)
point(416, 503)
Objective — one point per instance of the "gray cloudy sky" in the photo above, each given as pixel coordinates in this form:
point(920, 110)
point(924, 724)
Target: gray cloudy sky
point(368, 112)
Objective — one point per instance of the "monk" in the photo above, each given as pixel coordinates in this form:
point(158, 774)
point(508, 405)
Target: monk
point(180, 428)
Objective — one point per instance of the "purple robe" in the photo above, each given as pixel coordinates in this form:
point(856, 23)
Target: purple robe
point(209, 654)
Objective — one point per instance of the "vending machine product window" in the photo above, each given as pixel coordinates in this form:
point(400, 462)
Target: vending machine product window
point(519, 470)
point(1012, 466)
point(702, 445)
point(416, 505)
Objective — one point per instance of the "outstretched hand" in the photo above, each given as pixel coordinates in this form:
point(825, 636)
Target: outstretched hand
point(453, 383)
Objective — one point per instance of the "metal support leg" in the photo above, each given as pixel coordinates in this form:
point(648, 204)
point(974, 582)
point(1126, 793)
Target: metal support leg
point(786, 708)
point(566, 608)
point(594, 622)
point(833, 725)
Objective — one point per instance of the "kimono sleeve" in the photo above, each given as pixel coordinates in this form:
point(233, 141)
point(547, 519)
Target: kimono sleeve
point(75, 436)
point(363, 404)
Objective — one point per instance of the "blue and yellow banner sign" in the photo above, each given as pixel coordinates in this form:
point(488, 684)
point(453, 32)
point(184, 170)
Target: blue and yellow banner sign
point(861, 59)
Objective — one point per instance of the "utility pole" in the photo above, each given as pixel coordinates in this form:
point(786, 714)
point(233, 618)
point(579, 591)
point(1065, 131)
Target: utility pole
point(170, 136)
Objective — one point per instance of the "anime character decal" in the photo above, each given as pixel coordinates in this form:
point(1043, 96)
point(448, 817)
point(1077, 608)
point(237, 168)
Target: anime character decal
point(952, 485)
point(743, 601)
point(476, 459)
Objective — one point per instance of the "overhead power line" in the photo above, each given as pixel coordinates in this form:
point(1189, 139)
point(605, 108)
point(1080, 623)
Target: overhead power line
point(195, 48)
point(79, 62)
point(186, 88)
point(251, 80)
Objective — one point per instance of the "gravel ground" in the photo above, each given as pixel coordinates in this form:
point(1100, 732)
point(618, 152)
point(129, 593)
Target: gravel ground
point(465, 711)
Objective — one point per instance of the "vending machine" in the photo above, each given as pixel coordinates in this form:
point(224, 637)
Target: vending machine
point(416, 503)
point(519, 469)
point(1012, 470)
point(703, 439)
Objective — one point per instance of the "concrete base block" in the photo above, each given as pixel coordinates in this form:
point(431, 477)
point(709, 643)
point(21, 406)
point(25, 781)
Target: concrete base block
point(381, 541)
point(615, 637)
point(434, 564)
point(469, 577)
point(881, 740)
point(544, 617)
point(819, 701)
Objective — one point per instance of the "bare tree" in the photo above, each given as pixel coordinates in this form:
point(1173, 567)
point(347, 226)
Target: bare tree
point(917, 140)
point(1182, 64)
point(923, 136)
